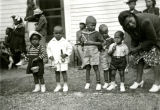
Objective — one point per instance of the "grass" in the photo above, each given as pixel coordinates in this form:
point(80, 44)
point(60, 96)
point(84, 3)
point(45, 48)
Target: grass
point(16, 93)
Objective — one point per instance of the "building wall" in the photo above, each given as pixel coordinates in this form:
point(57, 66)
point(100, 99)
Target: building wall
point(105, 11)
point(7, 9)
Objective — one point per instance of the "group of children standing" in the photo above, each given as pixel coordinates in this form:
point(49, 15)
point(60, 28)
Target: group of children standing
point(98, 48)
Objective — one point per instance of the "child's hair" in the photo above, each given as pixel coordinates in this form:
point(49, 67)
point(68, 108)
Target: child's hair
point(121, 34)
point(91, 19)
point(58, 28)
point(38, 36)
point(81, 23)
point(102, 26)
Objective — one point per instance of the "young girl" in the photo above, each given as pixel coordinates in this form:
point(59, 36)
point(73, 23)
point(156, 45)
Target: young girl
point(59, 50)
point(91, 40)
point(105, 59)
point(119, 60)
point(35, 55)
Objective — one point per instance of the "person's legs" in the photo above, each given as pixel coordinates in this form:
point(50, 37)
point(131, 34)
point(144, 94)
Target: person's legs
point(121, 73)
point(57, 73)
point(35, 76)
point(140, 67)
point(112, 84)
point(106, 76)
point(36, 81)
point(41, 78)
point(88, 69)
point(156, 86)
point(97, 72)
point(156, 70)
point(64, 74)
point(65, 86)
point(139, 81)
point(122, 87)
point(58, 87)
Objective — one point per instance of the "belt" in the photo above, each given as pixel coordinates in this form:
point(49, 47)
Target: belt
point(118, 56)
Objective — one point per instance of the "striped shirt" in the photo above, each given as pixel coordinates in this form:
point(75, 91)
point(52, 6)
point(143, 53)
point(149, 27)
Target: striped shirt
point(37, 51)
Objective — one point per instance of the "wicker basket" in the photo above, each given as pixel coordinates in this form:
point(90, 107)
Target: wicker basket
point(35, 69)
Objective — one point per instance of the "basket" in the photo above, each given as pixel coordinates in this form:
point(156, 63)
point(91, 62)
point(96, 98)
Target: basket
point(35, 69)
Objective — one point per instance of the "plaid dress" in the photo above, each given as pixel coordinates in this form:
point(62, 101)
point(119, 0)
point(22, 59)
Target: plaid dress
point(151, 57)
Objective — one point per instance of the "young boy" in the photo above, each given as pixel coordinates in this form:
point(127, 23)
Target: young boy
point(119, 60)
point(91, 40)
point(105, 59)
point(59, 50)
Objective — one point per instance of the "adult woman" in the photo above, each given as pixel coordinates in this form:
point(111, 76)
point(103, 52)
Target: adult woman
point(144, 30)
point(150, 4)
point(17, 39)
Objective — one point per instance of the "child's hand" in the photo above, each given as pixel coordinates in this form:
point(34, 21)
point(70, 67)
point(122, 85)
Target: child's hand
point(126, 69)
point(64, 55)
point(35, 59)
point(114, 47)
point(51, 58)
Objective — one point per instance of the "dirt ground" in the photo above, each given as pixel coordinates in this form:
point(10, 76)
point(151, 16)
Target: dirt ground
point(16, 87)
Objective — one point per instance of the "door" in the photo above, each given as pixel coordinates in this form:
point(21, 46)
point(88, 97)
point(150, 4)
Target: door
point(54, 12)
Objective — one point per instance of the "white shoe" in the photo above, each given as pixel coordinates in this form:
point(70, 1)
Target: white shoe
point(122, 87)
point(43, 88)
point(112, 86)
point(37, 88)
point(21, 62)
point(136, 85)
point(105, 85)
point(58, 87)
point(87, 86)
point(98, 87)
point(155, 88)
point(65, 87)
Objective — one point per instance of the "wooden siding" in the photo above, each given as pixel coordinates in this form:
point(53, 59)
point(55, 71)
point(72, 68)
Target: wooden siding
point(105, 11)
point(7, 9)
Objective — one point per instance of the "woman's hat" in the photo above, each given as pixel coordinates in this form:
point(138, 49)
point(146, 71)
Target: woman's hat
point(129, 1)
point(36, 33)
point(122, 16)
point(37, 11)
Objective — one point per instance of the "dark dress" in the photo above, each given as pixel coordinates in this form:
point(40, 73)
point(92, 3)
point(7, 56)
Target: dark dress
point(153, 10)
point(39, 63)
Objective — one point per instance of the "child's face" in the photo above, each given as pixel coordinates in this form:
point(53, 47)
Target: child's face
point(58, 34)
point(149, 3)
point(91, 26)
point(132, 5)
point(117, 38)
point(81, 26)
point(35, 40)
point(104, 33)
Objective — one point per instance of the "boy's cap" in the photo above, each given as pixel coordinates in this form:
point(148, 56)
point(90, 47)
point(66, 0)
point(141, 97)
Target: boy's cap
point(34, 32)
point(129, 1)
point(37, 11)
point(91, 19)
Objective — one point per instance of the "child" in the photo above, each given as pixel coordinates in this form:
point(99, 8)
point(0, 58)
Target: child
point(91, 40)
point(35, 55)
point(105, 59)
point(59, 51)
point(6, 60)
point(119, 60)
